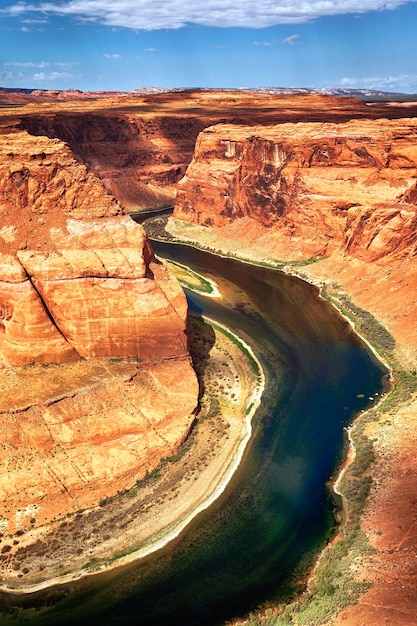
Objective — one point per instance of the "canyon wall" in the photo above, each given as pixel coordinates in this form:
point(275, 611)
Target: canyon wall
point(96, 380)
point(320, 186)
point(138, 158)
point(342, 194)
point(140, 146)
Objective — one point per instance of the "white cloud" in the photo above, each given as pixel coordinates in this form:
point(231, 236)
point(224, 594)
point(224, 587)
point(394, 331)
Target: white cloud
point(272, 42)
point(6, 77)
point(112, 56)
point(149, 49)
point(27, 64)
point(66, 63)
point(171, 14)
point(291, 39)
point(35, 21)
point(42, 76)
point(402, 82)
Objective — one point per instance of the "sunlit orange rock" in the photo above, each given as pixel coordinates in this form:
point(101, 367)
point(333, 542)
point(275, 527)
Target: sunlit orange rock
point(319, 186)
point(78, 279)
point(96, 382)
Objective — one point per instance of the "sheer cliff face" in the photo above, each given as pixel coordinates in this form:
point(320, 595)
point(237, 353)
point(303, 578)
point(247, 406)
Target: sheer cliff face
point(79, 279)
point(139, 159)
point(320, 186)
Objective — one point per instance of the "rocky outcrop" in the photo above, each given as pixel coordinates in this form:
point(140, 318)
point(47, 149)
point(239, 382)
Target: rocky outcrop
point(123, 303)
point(77, 279)
point(96, 382)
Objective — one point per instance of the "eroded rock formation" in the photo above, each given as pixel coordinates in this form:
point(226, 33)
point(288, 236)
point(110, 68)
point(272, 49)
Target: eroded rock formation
point(75, 435)
point(320, 186)
point(79, 282)
point(77, 279)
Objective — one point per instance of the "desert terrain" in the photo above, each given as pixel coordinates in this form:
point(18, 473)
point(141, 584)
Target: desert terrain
point(323, 187)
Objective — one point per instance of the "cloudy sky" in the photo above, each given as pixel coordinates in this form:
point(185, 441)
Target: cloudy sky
point(127, 44)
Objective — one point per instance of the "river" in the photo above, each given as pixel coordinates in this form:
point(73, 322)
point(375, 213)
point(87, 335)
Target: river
point(261, 536)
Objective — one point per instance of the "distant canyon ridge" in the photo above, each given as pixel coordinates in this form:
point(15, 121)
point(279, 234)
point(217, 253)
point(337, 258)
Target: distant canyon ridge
point(296, 178)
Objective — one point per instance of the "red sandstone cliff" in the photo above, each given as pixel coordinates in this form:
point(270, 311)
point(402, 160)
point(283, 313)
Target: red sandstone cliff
point(320, 186)
point(62, 241)
point(79, 279)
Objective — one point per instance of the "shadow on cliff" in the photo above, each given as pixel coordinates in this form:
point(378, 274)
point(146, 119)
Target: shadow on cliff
point(201, 339)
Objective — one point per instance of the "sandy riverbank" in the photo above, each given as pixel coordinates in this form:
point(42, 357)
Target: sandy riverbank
point(145, 518)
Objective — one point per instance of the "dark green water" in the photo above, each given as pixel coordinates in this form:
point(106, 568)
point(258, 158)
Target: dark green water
point(276, 513)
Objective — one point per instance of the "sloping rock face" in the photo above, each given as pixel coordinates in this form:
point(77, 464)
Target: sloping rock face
point(73, 436)
point(96, 381)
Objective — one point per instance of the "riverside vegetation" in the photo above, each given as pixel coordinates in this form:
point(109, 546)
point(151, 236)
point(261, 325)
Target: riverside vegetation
point(332, 586)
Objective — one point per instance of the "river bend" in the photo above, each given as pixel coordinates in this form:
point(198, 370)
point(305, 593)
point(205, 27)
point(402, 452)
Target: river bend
point(276, 513)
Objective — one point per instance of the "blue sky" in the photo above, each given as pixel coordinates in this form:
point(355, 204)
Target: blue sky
point(128, 44)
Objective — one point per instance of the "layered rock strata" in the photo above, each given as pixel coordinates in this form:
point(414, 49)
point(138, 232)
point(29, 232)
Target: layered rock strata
point(140, 146)
point(309, 190)
point(82, 294)
point(321, 186)
point(77, 279)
